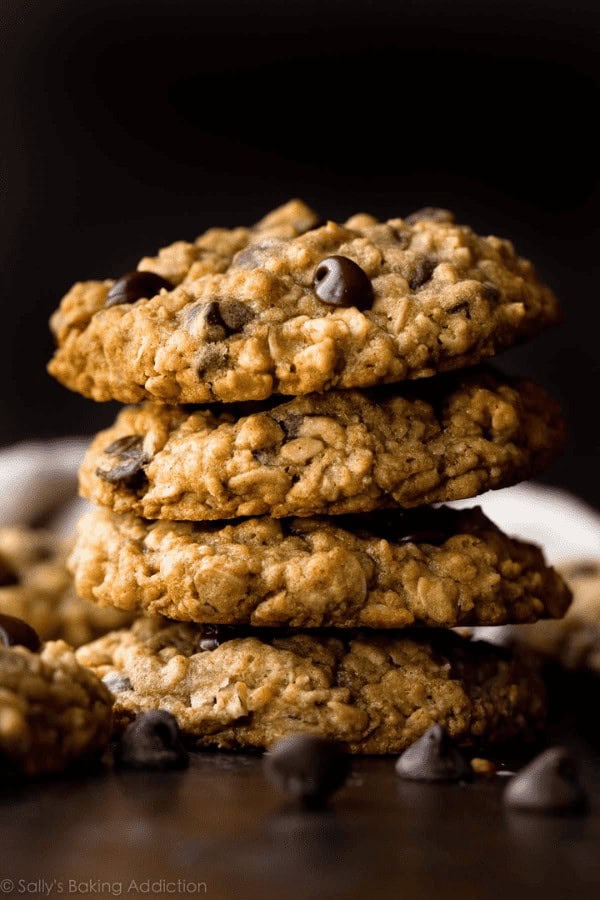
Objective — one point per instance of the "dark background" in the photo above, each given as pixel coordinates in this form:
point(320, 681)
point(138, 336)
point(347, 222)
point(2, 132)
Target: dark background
point(128, 124)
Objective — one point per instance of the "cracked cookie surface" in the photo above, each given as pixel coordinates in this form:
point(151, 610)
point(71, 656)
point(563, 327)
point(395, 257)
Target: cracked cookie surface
point(53, 712)
point(244, 318)
point(35, 586)
point(375, 692)
point(445, 439)
point(388, 570)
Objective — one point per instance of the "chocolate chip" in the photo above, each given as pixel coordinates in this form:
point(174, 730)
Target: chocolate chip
point(434, 757)
point(15, 631)
point(152, 742)
point(8, 575)
point(211, 637)
point(135, 285)
point(431, 214)
point(116, 683)
point(130, 473)
point(127, 447)
point(549, 784)
point(306, 768)
point(340, 282)
point(422, 272)
point(229, 315)
point(490, 292)
point(290, 422)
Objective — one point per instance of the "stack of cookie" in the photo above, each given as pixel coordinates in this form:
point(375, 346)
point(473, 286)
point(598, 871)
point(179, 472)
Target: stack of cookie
point(283, 553)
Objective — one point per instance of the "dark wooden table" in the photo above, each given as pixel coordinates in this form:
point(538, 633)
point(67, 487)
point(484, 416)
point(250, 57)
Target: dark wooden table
point(218, 830)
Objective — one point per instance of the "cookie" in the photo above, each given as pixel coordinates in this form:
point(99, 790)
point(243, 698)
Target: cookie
point(36, 587)
point(53, 712)
point(434, 567)
point(292, 308)
point(574, 641)
point(445, 439)
point(376, 692)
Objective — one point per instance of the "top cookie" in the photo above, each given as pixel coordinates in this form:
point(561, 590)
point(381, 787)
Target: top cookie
point(292, 306)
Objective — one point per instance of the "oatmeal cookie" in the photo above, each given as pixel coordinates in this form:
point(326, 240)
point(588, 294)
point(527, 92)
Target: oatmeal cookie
point(375, 692)
point(292, 306)
point(446, 439)
point(434, 567)
point(53, 712)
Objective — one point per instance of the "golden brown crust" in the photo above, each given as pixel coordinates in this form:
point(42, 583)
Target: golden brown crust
point(377, 693)
point(458, 569)
point(444, 298)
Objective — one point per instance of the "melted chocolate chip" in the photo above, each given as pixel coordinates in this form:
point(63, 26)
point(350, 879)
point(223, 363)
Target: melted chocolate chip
point(229, 315)
point(135, 285)
point(129, 473)
point(341, 282)
point(434, 757)
point(422, 272)
point(15, 632)
point(549, 784)
point(152, 742)
point(117, 684)
point(306, 768)
point(490, 292)
point(431, 214)
point(8, 575)
point(262, 456)
point(255, 255)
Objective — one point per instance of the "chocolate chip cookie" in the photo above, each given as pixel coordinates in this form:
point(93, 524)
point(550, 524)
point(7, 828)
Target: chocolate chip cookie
point(36, 587)
point(375, 692)
point(574, 641)
point(294, 306)
point(434, 567)
point(445, 439)
point(53, 712)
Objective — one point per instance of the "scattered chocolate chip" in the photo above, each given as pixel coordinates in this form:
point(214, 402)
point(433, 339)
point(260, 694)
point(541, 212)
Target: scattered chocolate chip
point(152, 742)
point(116, 683)
point(431, 214)
point(290, 422)
point(306, 768)
point(490, 292)
point(341, 282)
point(422, 272)
point(127, 447)
point(15, 632)
point(135, 285)
point(8, 575)
point(434, 757)
point(549, 784)
point(132, 459)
